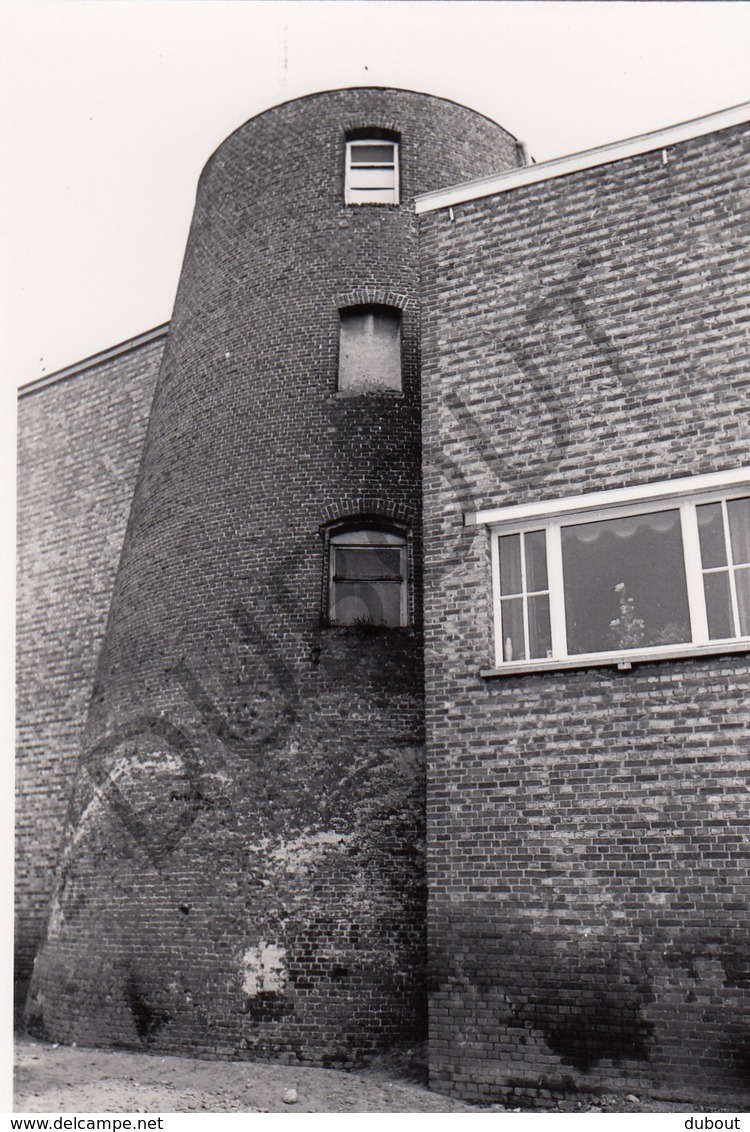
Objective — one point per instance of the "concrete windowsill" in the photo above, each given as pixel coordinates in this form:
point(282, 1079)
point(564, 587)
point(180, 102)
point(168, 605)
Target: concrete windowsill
point(624, 661)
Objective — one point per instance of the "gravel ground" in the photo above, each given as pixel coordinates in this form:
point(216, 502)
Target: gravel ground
point(54, 1078)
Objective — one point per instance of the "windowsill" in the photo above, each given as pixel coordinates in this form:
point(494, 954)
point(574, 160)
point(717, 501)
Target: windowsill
point(622, 661)
point(370, 391)
point(369, 630)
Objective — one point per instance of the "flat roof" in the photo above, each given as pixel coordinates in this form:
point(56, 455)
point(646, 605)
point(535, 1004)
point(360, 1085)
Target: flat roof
point(94, 360)
point(587, 159)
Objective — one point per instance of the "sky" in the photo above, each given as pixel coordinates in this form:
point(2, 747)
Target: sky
point(110, 109)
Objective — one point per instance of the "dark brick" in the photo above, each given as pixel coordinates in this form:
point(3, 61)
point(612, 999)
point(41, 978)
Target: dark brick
point(285, 807)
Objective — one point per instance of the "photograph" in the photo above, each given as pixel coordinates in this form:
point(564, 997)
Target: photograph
point(342, 338)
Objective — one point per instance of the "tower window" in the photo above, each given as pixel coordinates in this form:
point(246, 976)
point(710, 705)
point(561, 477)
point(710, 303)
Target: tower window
point(371, 172)
point(368, 583)
point(370, 348)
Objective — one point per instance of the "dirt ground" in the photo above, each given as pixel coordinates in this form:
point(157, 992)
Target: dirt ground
point(54, 1078)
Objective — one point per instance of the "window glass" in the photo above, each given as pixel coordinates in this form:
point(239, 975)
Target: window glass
point(540, 639)
point(718, 604)
point(514, 643)
point(711, 534)
point(510, 564)
point(372, 153)
point(370, 348)
point(368, 579)
point(369, 562)
point(624, 583)
point(535, 545)
point(371, 603)
point(743, 600)
point(739, 525)
point(525, 619)
point(725, 573)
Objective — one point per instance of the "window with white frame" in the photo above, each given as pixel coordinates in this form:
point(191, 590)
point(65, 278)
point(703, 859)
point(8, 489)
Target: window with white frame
point(368, 578)
point(371, 171)
point(664, 570)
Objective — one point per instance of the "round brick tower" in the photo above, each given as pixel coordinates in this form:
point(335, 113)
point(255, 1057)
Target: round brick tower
point(242, 872)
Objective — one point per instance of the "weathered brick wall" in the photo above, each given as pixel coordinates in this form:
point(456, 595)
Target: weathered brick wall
point(79, 442)
point(248, 879)
point(587, 829)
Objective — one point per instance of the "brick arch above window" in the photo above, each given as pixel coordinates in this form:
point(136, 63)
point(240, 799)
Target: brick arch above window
point(365, 509)
point(386, 129)
point(371, 295)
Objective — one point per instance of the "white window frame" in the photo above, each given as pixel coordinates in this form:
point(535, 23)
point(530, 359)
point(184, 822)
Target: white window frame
point(366, 537)
point(684, 495)
point(353, 195)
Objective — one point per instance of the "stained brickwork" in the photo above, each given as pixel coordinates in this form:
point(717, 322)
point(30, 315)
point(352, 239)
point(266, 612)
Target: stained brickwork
point(79, 443)
point(587, 830)
point(243, 870)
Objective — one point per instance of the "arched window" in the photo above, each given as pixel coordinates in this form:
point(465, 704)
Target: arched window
point(368, 578)
point(370, 348)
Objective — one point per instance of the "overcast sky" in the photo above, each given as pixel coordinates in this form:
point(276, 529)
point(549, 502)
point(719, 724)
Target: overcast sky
point(110, 108)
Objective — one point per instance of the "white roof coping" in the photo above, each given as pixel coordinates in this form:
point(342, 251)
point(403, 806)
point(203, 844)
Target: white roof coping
point(587, 159)
point(94, 360)
point(611, 497)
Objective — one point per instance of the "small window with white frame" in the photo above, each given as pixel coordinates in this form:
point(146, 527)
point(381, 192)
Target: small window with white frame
point(368, 578)
point(660, 571)
point(372, 175)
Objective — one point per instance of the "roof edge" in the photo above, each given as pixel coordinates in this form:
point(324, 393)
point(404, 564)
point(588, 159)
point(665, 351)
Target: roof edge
point(351, 89)
point(586, 159)
point(94, 360)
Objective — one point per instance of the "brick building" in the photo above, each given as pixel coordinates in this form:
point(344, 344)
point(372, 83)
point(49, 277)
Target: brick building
point(241, 751)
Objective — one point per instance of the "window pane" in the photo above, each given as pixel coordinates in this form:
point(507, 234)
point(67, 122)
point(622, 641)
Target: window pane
point(711, 533)
point(376, 603)
point(368, 562)
point(372, 177)
point(742, 579)
point(540, 637)
point(718, 605)
point(512, 627)
point(367, 538)
point(510, 564)
point(739, 526)
point(536, 560)
point(624, 583)
point(370, 349)
point(365, 154)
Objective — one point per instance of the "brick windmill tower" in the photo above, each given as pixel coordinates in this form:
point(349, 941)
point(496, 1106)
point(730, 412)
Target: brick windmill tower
point(243, 865)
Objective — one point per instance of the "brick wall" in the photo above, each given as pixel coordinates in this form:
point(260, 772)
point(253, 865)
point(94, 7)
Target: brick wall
point(587, 829)
point(79, 443)
point(248, 878)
